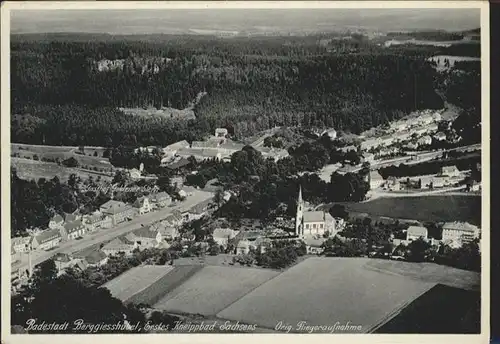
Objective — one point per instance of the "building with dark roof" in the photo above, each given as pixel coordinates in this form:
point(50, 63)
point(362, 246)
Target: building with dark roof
point(73, 230)
point(96, 258)
point(118, 245)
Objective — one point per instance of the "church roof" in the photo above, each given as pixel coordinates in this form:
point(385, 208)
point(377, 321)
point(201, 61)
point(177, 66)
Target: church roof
point(314, 216)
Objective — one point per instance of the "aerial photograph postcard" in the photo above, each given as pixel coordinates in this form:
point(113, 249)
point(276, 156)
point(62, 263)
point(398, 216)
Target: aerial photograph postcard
point(241, 169)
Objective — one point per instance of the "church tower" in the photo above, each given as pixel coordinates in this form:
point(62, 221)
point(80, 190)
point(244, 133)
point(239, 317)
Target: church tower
point(299, 230)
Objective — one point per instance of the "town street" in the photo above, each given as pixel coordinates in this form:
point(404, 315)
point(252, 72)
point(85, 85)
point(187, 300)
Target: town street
point(109, 234)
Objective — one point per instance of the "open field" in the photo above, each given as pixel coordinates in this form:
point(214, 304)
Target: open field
point(447, 316)
point(428, 272)
point(165, 284)
point(135, 280)
point(325, 291)
point(442, 208)
point(32, 169)
point(64, 152)
point(214, 288)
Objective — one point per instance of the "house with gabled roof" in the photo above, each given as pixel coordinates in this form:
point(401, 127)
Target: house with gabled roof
point(460, 232)
point(93, 222)
point(160, 199)
point(142, 205)
point(375, 179)
point(72, 230)
point(174, 147)
point(416, 232)
point(47, 239)
point(70, 218)
point(118, 211)
point(147, 236)
point(96, 258)
point(450, 171)
point(198, 210)
point(21, 244)
point(118, 245)
point(222, 236)
point(56, 221)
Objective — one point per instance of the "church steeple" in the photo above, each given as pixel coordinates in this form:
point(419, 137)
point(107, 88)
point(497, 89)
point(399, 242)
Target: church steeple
point(300, 214)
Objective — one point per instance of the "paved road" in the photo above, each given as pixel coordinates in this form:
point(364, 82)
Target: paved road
point(109, 234)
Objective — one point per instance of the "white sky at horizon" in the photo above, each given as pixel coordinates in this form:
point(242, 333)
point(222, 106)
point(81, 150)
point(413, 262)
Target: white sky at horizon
point(169, 21)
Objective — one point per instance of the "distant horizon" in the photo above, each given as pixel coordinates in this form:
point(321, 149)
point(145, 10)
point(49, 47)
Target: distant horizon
point(238, 21)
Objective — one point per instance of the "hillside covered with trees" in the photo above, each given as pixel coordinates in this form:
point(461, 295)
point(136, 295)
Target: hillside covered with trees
point(252, 84)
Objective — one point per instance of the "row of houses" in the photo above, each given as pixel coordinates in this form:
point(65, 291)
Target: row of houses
point(68, 227)
point(399, 137)
point(426, 117)
point(157, 235)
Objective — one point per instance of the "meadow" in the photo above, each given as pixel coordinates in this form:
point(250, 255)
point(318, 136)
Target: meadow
point(325, 291)
point(34, 170)
point(162, 286)
point(87, 159)
point(428, 272)
point(442, 208)
point(213, 288)
point(135, 280)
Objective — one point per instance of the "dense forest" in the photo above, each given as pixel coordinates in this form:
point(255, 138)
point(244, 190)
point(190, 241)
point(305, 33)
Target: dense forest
point(61, 96)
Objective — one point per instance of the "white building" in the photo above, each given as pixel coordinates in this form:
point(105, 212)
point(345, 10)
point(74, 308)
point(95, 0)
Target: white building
point(222, 236)
point(21, 244)
point(369, 157)
point(375, 179)
point(440, 136)
point(450, 171)
point(332, 133)
point(312, 222)
point(425, 140)
point(416, 232)
point(460, 232)
point(221, 132)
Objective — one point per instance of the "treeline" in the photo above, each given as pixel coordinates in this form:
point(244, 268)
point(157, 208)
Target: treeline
point(75, 125)
point(279, 255)
point(53, 299)
point(252, 85)
point(34, 203)
point(435, 35)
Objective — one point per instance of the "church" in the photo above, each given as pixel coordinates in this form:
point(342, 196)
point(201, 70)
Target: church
point(312, 223)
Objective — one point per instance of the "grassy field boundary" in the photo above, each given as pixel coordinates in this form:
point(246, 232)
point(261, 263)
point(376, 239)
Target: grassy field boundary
point(163, 286)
